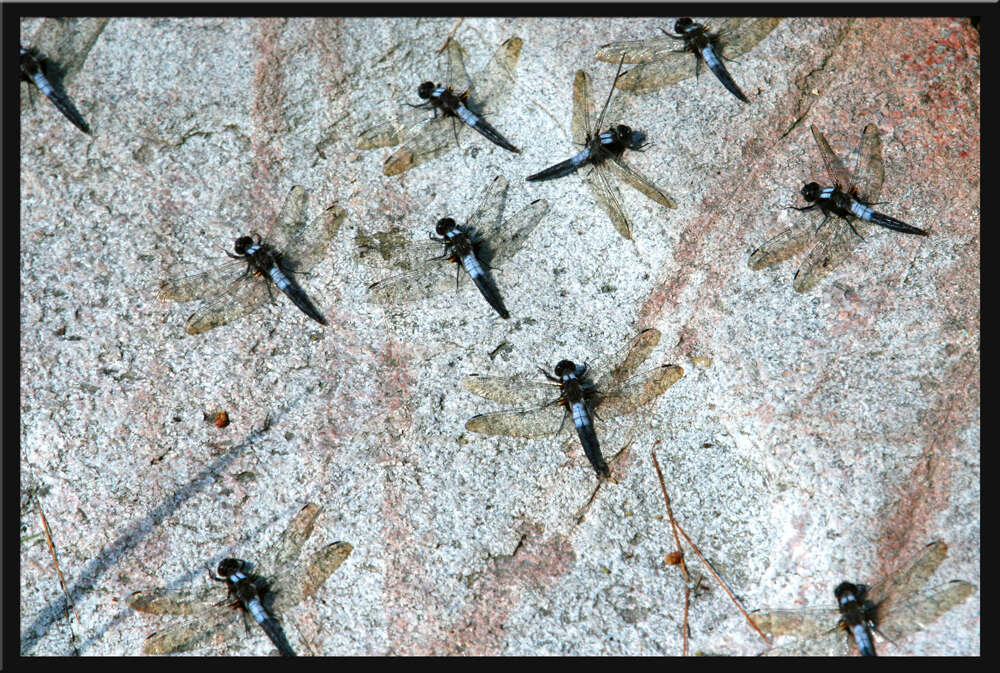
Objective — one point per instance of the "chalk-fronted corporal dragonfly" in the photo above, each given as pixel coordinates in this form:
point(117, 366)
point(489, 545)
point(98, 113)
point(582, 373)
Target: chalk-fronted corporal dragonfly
point(600, 161)
point(584, 397)
point(893, 608)
point(34, 69)
point(484, 240)
point(250, 593)
point(238, 287)
point(662, 63)
point(848, 200)
point(465, 100)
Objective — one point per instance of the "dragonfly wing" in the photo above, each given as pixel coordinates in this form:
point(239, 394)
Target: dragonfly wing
point(66, 42)
point(510, 237)
point(607, 196)
point(202, 285)
point(524, 423)
point(914, 615)
point(289, 543)
point(493, 84)
point(427, 141)
point(485, 219)
point(457, 78)
point(739, 39)
point(301, 580)
point(510, 390)
point(801, 622)
point(834, 166)
point(829, 253)
point(242, 298)
point(786, 244)
point(869, 171)
point(308, 246)
point(831, 643)
point(391, 131)
point(174, 601)
point(214, 628)
point(583, 108)
point(611, 372)
point(393, 249)
point(433, 278)
point(907, 580)
point(638, 391)
point(640, 182)
point(640, 51)
point(645, 77)
point(291, 220)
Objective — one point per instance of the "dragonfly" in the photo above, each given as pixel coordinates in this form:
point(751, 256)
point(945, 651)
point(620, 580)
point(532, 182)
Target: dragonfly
point(602, 157)
point(249, 592)
point(849, 199)
point(34, 68)
point(423, 139)
point(662, 63)
point(893, 607)
point(584, 397)
point(238, 287)
point(484, 240)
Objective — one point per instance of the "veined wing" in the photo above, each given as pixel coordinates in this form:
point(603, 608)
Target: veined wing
point(869, 171)
point(638, 391)
point(536, 422)
point(906, 580)
point(639, 182)
point(301, 580)
point(394, 250)
point(834, 166)
point(202, 285)
point(486, 217)
point(432, 278)
point(834, 642)
point(611, 372)
point(66, 42)
point(220, 625)
point(739, 35)
point(504, 242)
point(174, 601)
point(427, 141)
point(457, 78)
point(644, 51)
point(516, 390)
point(291, 219)
point(289, 544)
point(652, 76)
point(606, 195)
point(243, 297)
point(308, 245)
point(391, 131)
point(583, 107)
point(830, 252)
point(818, 630)
point(907, 617)
point(491, 87)
point(786, 244)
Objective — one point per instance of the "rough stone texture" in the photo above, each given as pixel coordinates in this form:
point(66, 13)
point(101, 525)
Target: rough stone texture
point(813, 439)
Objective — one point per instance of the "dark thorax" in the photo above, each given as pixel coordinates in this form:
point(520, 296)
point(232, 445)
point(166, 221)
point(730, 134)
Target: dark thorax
point(857, 614)
point(259, 256)
point(442, 98)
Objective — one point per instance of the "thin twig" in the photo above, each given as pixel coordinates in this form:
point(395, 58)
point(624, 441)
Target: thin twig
point(55, 559)
point(451, 34)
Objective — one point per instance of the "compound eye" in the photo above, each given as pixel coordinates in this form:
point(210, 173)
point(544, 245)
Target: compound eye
point(425, 89)
point(682, 24)
point(228, 566)
point(565, 367)
point(444, 225)
point(810, 191)
point(243, 243)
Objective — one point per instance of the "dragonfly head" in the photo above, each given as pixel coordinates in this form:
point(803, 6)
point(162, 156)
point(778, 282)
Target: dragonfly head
point(811, 191)
point(683, 25)
point(444, 225)
point(230, 566)
point(425, 90)
point(243, 243)
point(847, 592)
point(564, 368)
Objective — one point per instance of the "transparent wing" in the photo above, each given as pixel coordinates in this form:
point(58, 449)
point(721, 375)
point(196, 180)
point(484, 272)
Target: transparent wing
point(606, 195)
point(242, 298)
point(786, 244)
point(393, 249)
point(457, 78)
point(834, 167)
point(651, 76)
point(644, 51)
point(536, 422)
point(427, 141)
point(911, 616)
point(737, 40)
point(639, 182)
point(174, 601)
point(830, 252)
point(511, 390)
point(610, 371)
point(66, 42)
point(832, 643)
point(202, 285)
point(504, 242)
point(491, 87)
point(869, 171)
point(801, 622)
point(291, 220)
point(907, 580)
point(485, 219)
point(214, 628)
point(308, 245)
point(580, 127)
point(289, 544)
point(301, 580)
point(391, 131)
point(637, 392)
point(431, 279)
